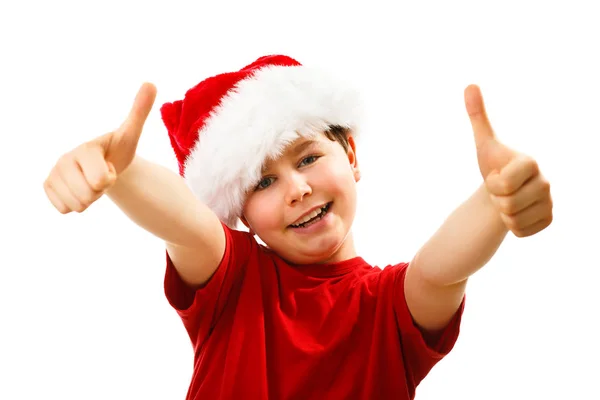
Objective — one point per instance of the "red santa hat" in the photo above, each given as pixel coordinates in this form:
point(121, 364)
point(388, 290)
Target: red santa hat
point(228, 125)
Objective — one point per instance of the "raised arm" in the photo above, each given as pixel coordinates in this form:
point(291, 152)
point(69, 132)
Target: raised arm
point(152, 196)
point(515, 197)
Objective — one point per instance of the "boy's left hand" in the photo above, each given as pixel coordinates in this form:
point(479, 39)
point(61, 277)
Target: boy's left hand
point(516, 187)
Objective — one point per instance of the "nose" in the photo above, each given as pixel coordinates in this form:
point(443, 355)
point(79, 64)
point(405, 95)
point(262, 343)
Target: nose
point(297, 188)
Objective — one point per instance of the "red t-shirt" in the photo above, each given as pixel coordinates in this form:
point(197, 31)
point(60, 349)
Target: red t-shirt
point(264, 329)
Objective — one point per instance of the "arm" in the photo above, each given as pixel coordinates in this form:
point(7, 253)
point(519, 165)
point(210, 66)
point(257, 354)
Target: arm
point(155, 198)
point(514, 197)
point(437, 276)
point(158, 200)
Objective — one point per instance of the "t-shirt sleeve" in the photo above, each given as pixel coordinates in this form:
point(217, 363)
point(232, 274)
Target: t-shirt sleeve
point(200, 308)
point(421, 350)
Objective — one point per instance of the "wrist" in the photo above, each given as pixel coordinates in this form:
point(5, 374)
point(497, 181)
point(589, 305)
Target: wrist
point(487, 208)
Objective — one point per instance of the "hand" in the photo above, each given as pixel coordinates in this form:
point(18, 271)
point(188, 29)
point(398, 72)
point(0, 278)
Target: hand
point(83, 175)
point(516, 187)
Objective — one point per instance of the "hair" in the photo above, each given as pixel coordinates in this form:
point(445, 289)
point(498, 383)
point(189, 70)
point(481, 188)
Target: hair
point(338, 133)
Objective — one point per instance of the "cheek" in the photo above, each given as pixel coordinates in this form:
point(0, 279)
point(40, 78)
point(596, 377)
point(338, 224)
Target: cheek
point(261, 214)
point(338, 179)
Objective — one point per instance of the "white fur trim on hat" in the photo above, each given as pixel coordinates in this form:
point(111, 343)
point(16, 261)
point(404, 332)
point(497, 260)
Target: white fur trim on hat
point(255, 122)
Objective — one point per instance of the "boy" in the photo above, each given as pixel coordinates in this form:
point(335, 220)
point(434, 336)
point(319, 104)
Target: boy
point(303, 316)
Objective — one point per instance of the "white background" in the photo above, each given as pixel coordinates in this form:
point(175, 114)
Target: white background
point(82, 310)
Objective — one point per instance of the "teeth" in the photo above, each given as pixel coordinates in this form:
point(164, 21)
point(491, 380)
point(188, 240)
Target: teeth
point(310, 216)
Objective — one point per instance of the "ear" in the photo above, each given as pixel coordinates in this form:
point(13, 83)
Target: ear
point(352, 158)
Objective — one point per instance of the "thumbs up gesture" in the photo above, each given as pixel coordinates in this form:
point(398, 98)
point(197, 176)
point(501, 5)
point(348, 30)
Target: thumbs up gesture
point(513, 180)
point(83, 175)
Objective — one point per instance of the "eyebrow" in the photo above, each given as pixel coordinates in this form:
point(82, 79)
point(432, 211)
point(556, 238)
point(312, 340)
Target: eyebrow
point(297, 150)
point(302, 146)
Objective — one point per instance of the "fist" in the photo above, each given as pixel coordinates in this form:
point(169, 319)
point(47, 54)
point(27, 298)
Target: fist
point(83, 175)
point(514, 182)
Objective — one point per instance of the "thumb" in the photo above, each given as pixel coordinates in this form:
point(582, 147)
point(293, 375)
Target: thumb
point(482, 129)
point(492, 155)
point(120, 146)
point(130, 131)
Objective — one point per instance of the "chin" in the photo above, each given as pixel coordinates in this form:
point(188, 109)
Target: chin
point(320, 252)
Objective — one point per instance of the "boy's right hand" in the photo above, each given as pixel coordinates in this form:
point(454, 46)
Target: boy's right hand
point(83, 175)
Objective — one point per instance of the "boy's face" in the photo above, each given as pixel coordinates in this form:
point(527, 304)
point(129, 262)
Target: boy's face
point(312, 175)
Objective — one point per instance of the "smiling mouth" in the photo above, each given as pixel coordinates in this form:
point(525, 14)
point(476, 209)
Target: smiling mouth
point(313, 217)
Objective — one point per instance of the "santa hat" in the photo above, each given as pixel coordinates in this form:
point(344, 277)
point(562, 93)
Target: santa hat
point(228, 125)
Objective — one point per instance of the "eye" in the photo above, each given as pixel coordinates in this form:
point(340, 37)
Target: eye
point(264, 183)
point(308, 160)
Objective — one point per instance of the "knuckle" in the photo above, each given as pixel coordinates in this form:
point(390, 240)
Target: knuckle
point(86, 199)
point(513, 224)
point(518, 226)
point(545, 186)
point(522, 233)
point(95, 185)
point(498, 185)
point(519, 233)
point(518, 230)
point(65, 160)
point(528, 163)
point(83, 147)
point(98, 184)
point(531, 163)
point(54, 174)
point(84, 150)
point(79, 208)
point(510, 209)
point(508, 206)
point(505, 185)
